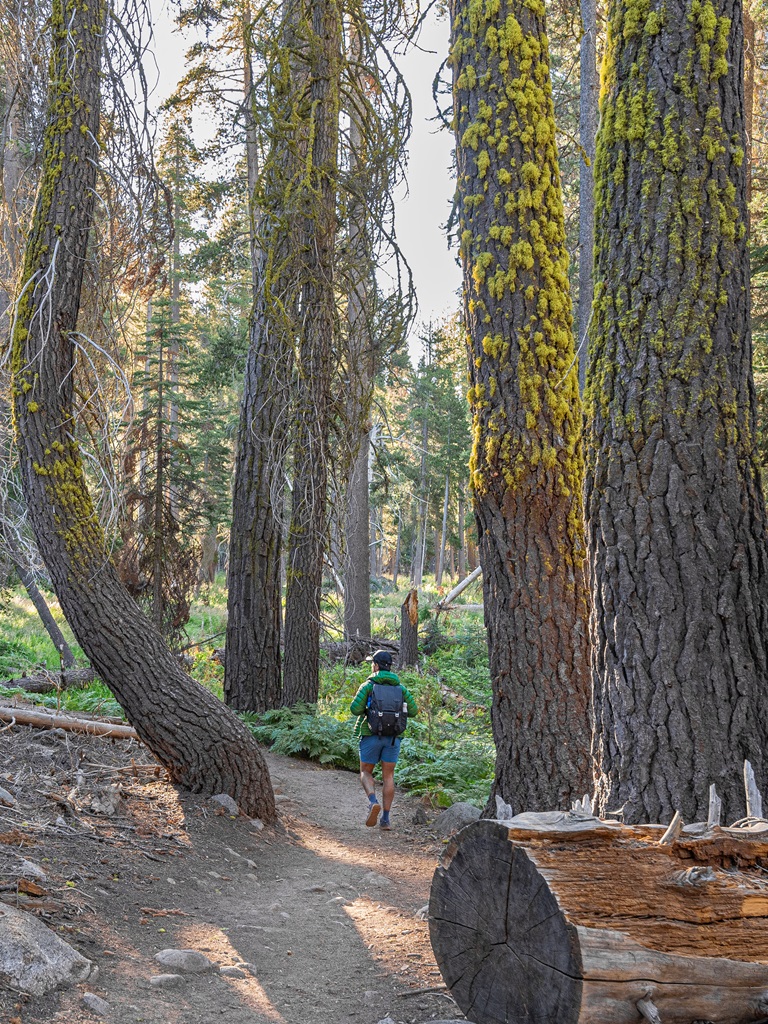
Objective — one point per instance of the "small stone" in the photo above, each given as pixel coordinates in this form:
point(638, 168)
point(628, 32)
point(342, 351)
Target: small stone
point(31, 870)
point(107, 801)
point(51, 737)
point(374, 880)
point(232, 972)
point(386, 1020)
point(166, 980)
point(420, 816)
point(257, 824)
point(225, 800)
point(95, 1003)
point(7, 799)
point(280, 799)
point(188, 961)
point(370, 996)
point(455, 818)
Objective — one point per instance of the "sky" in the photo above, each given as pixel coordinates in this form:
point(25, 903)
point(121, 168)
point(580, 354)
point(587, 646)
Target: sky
point(423, 207)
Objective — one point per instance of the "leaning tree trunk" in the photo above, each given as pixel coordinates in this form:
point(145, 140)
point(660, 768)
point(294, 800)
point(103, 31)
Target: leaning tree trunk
point(204, 747)
point(561, 919)
point(676, 520)
point(526, 468)
point(307, 528)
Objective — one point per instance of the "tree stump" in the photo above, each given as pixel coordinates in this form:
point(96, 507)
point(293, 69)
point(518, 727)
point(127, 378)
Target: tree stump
point(409, 630)
point(557, 919)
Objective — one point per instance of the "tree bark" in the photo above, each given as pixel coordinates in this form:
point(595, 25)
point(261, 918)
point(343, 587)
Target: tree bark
point(525, 468)
point(676, 518)
point(203, 746)
point(252, 660)
point(578, 921)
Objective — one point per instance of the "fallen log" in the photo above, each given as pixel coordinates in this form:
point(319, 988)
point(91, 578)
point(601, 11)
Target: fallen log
point(564, 918)
point(42, 720)
point(46, 682)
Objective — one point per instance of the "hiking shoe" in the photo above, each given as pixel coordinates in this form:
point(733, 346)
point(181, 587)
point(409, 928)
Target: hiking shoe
point(385, 826)
point(373, 815)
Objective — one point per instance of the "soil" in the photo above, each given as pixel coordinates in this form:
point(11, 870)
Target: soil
point(323, 919)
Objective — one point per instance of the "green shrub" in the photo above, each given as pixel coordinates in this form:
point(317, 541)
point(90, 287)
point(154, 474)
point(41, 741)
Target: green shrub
point(301, 731)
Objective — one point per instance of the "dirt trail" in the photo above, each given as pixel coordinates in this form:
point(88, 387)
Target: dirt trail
point(324, 912)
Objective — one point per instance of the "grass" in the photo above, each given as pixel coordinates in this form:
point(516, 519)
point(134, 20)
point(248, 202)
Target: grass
point(447, 753)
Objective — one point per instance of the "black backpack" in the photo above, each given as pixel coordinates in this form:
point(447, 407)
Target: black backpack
point(387, 711)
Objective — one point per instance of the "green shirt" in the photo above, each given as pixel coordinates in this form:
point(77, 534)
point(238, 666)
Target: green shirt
point(360, 702)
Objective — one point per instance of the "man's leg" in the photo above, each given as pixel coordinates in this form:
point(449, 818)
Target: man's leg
point(369, 755)
point(388, 784)
point(366, 777)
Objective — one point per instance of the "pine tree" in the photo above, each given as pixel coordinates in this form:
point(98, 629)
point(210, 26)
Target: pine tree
point(526, 468)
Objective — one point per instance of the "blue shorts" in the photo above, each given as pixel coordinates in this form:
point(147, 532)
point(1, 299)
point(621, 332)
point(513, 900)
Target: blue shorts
point(379, 748)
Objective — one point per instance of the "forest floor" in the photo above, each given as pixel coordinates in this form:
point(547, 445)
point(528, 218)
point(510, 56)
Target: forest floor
point(317, 920)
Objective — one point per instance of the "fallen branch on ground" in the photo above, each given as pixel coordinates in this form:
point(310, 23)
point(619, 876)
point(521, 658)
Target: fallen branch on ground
point(47, 682)
point(41, 720)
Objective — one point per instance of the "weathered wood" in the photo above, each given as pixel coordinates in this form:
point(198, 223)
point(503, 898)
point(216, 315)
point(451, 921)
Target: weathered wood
point(715, 807)
point(563, 918)
point(674, 830)
point(754, 796)
point(42, 720)
point(47, 682)
point(459, 589)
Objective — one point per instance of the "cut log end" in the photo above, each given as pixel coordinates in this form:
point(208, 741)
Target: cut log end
point(490, 914)
point(591, 926)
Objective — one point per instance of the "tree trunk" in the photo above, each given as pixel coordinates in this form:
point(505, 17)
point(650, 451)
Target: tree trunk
point(252, 665)
point(41, 607)
point(396, 564)
point(676, 519)
point(749, 95)
point(588, 104)
point(462, 541)
point(588, 922)
point(357, 580)
point(313, 386)
point(204, 747)
point(443, 535)
point(253, 678)
point(409, 631)
point(525, 467)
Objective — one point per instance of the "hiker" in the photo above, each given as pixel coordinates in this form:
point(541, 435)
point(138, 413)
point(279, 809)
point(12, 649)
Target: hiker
point(384, 699)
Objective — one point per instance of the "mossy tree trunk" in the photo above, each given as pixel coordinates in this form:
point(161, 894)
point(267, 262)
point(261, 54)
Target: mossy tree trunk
point(204, 747)
point(314, 364)
point(526, 470)
point(676, 520)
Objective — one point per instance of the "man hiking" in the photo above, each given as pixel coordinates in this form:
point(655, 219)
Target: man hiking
point(383, 706)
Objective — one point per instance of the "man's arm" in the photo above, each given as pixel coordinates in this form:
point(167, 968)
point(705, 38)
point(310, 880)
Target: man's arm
point(360, 700)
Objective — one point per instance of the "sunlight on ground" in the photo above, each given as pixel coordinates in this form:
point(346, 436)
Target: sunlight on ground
point(320, 844)
point(394, 940)
point(217, 946)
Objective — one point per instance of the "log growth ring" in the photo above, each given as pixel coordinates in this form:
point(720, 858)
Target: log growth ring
point(501, 942)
